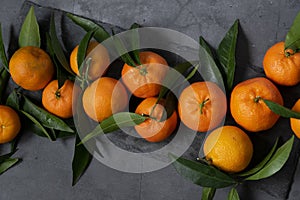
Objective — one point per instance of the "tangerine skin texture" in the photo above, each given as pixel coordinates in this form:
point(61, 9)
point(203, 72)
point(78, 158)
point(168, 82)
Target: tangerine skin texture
point(60, 106)
point(31, 68)
point(251, 115)
point(104, 97)
point(145, 80)
point(281, 69)
point(228, 148)
point(154, 130)
point(295, 123)
point(10, 124)
point(213, 112)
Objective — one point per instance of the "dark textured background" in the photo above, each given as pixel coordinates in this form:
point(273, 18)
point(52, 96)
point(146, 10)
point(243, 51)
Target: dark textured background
point(45, 172)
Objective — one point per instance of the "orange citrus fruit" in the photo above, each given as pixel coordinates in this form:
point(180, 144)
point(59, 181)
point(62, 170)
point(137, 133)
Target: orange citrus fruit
point(202, 106)
point(145, 80)
point(31, 68)
point(282, 67)
point(248, 108)
point(295, 123)
point(154, 129)
point(58, 101)
point(104, 97)
point(10, 124)
point(99, 60)
point(228, 148)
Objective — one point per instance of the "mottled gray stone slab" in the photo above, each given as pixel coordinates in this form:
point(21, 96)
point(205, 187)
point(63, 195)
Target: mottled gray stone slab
point(45, 172)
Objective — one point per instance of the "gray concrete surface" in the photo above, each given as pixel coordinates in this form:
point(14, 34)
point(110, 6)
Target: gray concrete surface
point(45, 172)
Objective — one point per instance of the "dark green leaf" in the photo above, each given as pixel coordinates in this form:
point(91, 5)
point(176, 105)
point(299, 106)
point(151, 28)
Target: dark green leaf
point(276, 162)
point(226, 53)
point(202, 174)
point(38, 124)
point(233, 194)
point(30, 33)
point(56, 47)
point(100, 35)
point(14, 143)
point(6, 156)
point(170, 105)
point(262, 163)
point(206, 46)
point(4, 77)
point(13, 100)
point(122, 51)
point(81, 161)
point(3, 58)
point(45, 118)
point(63, 134)
point(83, 45)
point(8, 163)
point(135, 41)
point(292, 40)
point(208, 193)
point(60, 75)
point(208, 68)
point(115, 122)
point(281, 110)
point(172, 77)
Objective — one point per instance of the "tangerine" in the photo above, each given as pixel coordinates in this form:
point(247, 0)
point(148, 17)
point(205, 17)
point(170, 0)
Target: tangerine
point(248, 108)
point(154, 129)
point(202, 106)
point(31, 68)
point(104, 97)
point(282, 66)
point(145, 80)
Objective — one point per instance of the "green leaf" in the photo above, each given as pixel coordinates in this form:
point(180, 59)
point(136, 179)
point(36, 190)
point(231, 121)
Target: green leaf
point(172, 77)
point(202, 174)
point(8, 163)
point(83, 45)
point(3, 58)
point(4, 77)
point(13, 100)
point(56, 47)
point(276, 162)
point(45, 118)
point(100, 35)
point(8, 155)
point(208, 68)
point(206, 46)
point(30, 33)
point(60, 75)
point(292, 40)
point(281, 110)
point(122, 51)
point(233, 195)
point(81, 161)
point(260, 165)
point(170, 105)
point(208, 193)
point(135, 41)
point(115, 122)
point(38, 124)
point(226, 53)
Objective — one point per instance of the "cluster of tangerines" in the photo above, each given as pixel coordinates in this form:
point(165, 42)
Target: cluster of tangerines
point(202, 106)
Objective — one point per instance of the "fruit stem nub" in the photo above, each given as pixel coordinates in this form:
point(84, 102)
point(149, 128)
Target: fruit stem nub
point(256, 100)
point(202, 105)
point(143, 71)
point(57, 94)
point(288, 52)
